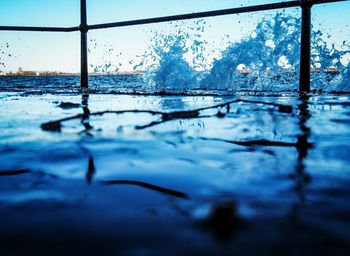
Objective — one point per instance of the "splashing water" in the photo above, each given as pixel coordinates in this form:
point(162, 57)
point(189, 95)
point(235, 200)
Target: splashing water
point(266, 60)
point(265, 55)
point(172, 69)
point(182, 61)
point(4, 53)
point(174, 60)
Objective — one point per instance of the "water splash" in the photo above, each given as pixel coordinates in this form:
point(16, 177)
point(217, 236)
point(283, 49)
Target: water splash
point(5, 52)
point(175, 59)
point(259, 60)
point(329, 71)
point(108, 63)
point(265, 60)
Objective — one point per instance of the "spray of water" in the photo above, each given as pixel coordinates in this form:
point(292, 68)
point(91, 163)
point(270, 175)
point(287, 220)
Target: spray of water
point(4, 53)
point(174, 60)
point(265, 60)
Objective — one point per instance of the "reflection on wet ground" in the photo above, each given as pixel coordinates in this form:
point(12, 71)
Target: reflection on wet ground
point(148, 175)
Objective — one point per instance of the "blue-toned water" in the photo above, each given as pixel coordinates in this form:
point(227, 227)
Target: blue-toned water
point(132, 175)
point(265, 60)
point(237, 163)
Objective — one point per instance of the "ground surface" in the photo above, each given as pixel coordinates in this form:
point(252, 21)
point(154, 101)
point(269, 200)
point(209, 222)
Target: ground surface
point(248, 179)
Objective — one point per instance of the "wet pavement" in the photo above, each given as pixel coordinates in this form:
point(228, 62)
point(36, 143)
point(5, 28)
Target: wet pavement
point(175, 175)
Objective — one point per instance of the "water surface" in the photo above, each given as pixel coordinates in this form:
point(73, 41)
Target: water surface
point(245, 179)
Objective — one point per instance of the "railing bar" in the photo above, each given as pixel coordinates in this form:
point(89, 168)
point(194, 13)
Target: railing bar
point(197, 15)
point(305, 47)
point(256, 8)
point(84, 76)
point(38, 29)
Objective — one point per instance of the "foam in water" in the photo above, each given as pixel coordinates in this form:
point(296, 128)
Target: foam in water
point(267, 59)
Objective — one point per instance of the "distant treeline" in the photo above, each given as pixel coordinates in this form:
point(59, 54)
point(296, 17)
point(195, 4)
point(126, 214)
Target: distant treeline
point(56, 73)
point(34, 73)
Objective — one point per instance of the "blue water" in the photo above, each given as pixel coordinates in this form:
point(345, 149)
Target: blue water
point(254, 178)
point(179, 62)
point(236, 163)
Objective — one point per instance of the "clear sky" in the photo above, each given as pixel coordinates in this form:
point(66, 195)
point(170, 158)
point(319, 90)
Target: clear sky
point(60, 51)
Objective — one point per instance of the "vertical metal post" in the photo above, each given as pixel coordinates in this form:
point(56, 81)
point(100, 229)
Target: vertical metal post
point(305, 45)
point(83, 46)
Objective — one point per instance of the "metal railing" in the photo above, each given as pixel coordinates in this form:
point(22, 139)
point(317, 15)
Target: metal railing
point(305, 42)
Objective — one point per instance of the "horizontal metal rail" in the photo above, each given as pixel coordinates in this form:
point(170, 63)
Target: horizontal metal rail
point(196, 15)
point(39, 29)
point(304, 83)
